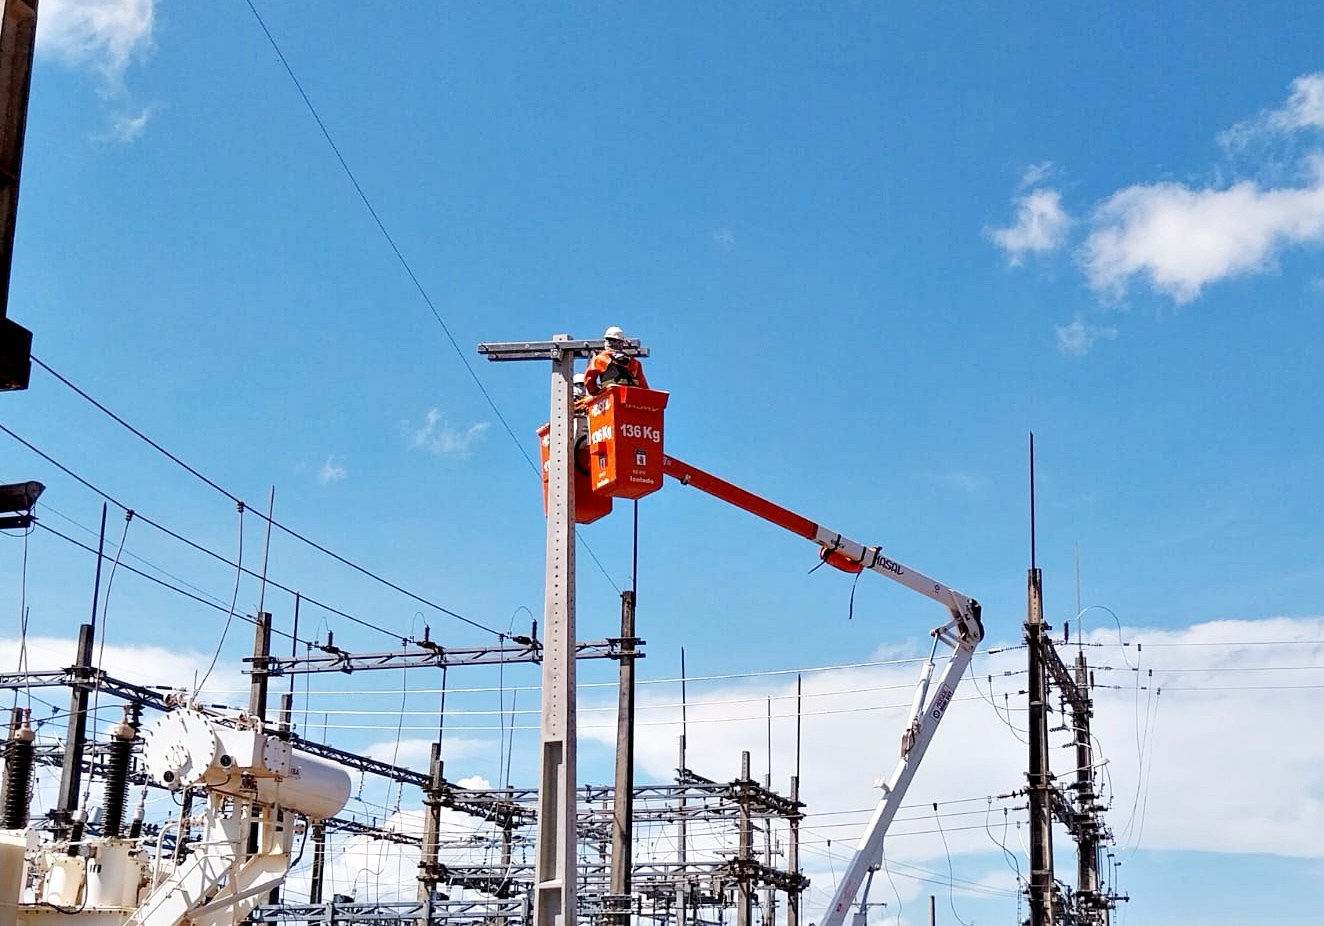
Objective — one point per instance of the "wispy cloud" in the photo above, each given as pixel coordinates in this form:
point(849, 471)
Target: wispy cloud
point(965, 482)
point(1304, 109)
point(127, 127)
point(1041, 226)
point(332, 471)
point(1077, 338)
point(1036, 175)
point(1178, 239)
point(438, 437)
point(104, 35)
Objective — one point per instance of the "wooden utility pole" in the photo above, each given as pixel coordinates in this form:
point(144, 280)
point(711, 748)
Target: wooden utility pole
point(1041, 888)
point(1081, 813)
point(318, 874)
point(260, 673)
point(71, 775)
point(555, 862)
point(429, 868)
point(793, 855)
point(1087, 840)
point(1089, 905)
point(1040, 779)
point(793, 849)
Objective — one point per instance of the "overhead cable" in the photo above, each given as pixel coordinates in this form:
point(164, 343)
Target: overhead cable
point(409, 270)
point(161, 582)
point(238, 501)
point(191, 543)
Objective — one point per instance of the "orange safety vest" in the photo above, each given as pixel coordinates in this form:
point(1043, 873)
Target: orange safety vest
point(610, 368)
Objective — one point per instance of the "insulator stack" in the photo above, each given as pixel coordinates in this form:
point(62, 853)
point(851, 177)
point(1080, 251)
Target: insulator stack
point(18, 751)
point(119, 755)
point(76, 830)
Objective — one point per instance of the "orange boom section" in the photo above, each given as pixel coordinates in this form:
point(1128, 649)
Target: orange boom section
point(625, 441)
point(588, 506)
point(783, 517)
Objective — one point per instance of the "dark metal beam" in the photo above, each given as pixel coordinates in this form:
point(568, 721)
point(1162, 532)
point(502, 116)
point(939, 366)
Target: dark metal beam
point(18, 40)
point(433, 656)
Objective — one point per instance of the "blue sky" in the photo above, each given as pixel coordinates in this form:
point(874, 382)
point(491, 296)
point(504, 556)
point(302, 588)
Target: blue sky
point(870, 247)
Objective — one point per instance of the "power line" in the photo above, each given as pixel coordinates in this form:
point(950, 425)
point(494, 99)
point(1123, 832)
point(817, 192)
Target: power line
point(161, 582)
point(409, 270)
point(50, 509)
point(196, 546)
point(238, 501)
point(390, 241)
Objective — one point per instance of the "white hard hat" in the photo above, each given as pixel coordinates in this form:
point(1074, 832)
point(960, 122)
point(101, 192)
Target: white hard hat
point(614, 334)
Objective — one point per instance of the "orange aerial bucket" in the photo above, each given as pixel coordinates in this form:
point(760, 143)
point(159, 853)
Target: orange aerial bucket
point(588, 506)
point(625, 441)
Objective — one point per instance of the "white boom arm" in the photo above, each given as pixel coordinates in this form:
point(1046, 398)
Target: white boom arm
point(962, 633)
point(925, 715)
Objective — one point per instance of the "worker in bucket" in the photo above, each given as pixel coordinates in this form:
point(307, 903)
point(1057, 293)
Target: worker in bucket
point(611, 366)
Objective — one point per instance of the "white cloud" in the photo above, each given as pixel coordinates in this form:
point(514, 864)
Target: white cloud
point(1175, 743)
point(1077, 338)
point(1179, 239)
point(1041, 225)
point(144, 664)
point(1217, 728)
point(1184, 719)
point(102, 34)
point(1304, 109)
point(332, 471)
point(417, 753)
point(435, 435)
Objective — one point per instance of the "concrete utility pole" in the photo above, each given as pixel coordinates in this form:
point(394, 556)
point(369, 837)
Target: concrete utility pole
point(745, 856)
point(623, 796)
point(556, 864)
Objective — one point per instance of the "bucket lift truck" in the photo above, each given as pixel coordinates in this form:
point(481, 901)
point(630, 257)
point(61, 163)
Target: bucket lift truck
point(962, 633)
point(622, 457)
